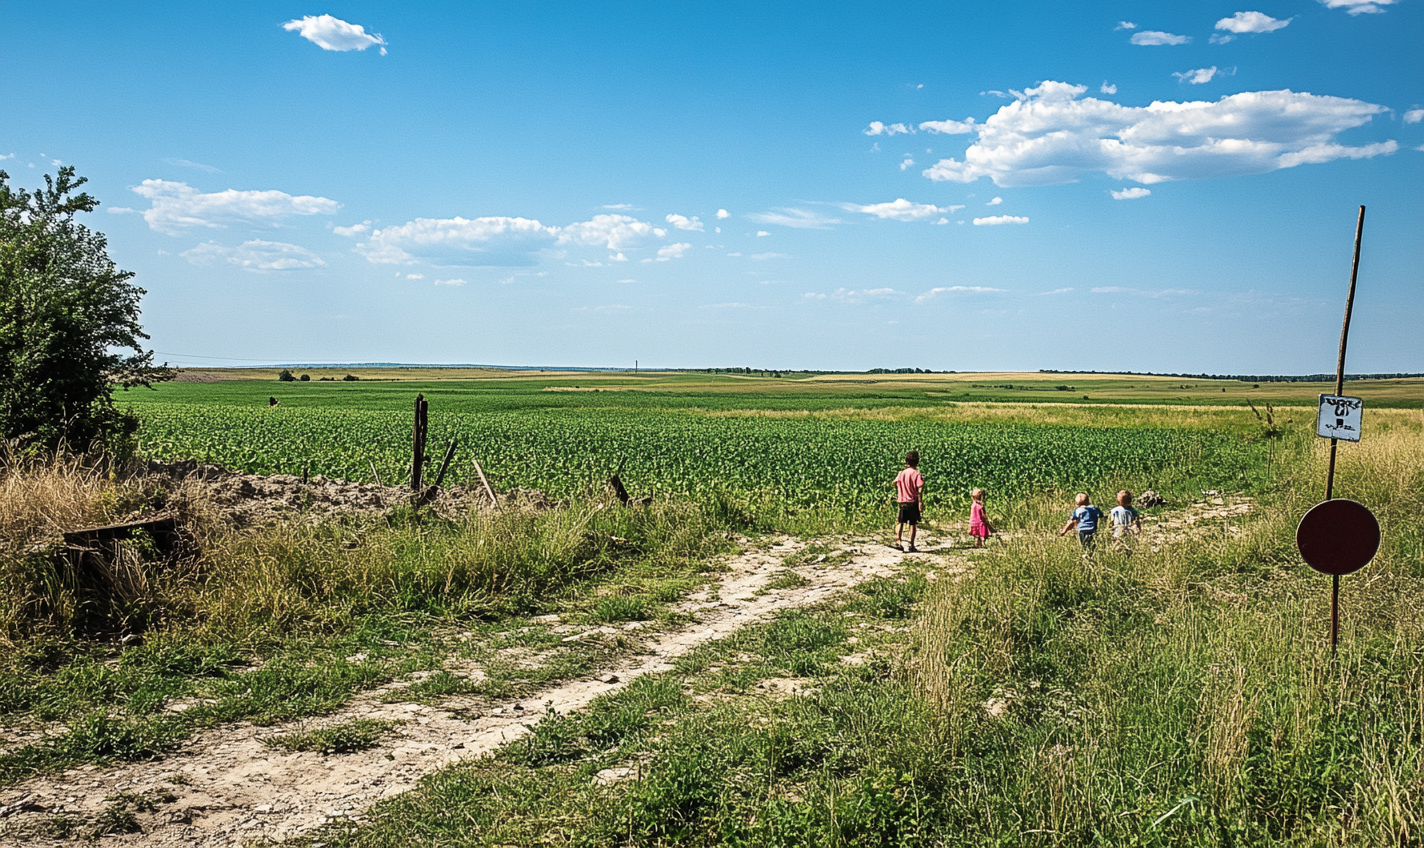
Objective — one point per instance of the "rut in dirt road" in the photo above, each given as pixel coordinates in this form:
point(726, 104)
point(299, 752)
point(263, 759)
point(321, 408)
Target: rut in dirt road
point(228, 788)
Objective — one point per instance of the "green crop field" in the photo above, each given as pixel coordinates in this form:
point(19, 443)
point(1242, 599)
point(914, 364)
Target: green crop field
point(690, 435)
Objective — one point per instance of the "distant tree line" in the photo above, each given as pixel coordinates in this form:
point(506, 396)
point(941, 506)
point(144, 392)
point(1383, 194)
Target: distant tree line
point(1247, 378)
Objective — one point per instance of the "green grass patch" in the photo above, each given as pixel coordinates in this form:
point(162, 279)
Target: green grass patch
point(348, 737)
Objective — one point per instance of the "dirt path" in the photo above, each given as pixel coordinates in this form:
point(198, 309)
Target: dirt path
point(228, 788)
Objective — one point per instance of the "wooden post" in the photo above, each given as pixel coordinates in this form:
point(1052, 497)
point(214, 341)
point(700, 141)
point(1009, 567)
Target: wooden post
point(445, 463)
point(417, 461)
point(1340, 390)
point(480, 471)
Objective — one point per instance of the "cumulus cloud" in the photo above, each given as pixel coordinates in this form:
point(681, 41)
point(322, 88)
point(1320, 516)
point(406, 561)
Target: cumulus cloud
point(175, 207)
point(907, 162)
point(997, 220)
point(762, 233)
point(458, 241)
point(415, 276)
point(254, 255)
point(899, 209)
point(1107, 89)
point(801, 219)
point(938, 290)
point(1359, 7)
point(1052, 135)
point(612, 231)
point(621, 207)
point(1243, 22)
point(949, 127)
point(1155, 38)
point(453, 282)
point(353, 230)
point(330, 33)
point(682, 222)
point(995, 202)
point(671, 251)
point(1196, 77)
point(1414, 116)
point(878, 128)
point(1124, 25)
point(723, 214)
point(1131, 193)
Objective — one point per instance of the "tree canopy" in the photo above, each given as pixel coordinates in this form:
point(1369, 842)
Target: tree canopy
point(69, 322)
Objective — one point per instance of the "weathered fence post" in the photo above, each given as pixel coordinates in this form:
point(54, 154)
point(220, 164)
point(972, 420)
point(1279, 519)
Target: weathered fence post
point(417, 461)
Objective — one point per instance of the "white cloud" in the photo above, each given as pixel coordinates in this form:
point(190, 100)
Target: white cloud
point(878, 128)
point(1196, 77)
point(4, 156)
point(995, 202)
point(1124, 25)
point(996, 220)
point(672, 251)
point(723, 214)
point(1131, 193)
point(1243, 22)
point(415, 276)
point(619, 207)
point(254, 255)
point(457, 241)
point(618, 257)
point(330, 33)
point(353, 230)
point(1414, 116)
point(813, 296)
point(1107, 89)
point(1147, 292)
point(940, 221)
point(762, 257)
point(1055, 135)
point(801, 219)
point(456, 282)
point(949, 127)
point(627, 281)
point(682, 222)
point(1154, 38)
point(899, 209)
point(1359, 7)
point(185, 163)
point(907, 162)
point(1218, 38)
point(613, 231)
point(762, 233)
point(949, 289)
point(1059, 291)
point(176, 206)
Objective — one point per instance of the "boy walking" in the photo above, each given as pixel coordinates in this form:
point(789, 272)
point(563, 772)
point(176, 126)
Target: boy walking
point(1125, 520)
point(909, 489)
point(1085, 518)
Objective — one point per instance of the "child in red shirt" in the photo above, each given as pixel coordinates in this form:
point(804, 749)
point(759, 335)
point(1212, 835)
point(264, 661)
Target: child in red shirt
point(909, 489)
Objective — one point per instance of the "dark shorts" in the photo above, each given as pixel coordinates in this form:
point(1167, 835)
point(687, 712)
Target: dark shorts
point(909, 514)
point(1085, 537)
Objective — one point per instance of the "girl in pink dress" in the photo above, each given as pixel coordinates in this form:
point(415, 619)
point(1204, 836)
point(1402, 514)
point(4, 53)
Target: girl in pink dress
point(979, 526)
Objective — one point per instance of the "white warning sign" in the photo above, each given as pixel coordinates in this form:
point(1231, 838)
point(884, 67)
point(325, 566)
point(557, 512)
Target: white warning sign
point(1340, 418)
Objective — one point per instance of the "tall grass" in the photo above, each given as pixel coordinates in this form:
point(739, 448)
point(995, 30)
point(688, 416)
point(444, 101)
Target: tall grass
point(1188, 695)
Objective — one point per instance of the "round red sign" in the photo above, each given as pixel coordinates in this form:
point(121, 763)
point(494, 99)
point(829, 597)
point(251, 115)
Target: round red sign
point(1338, 536)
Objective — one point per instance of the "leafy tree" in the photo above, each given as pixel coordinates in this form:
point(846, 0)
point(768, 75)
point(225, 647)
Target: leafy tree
point(285, 376)
point(69, 327)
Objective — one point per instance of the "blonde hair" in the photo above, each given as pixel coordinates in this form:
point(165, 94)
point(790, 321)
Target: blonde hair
point(1082, 499)
point(977, 494)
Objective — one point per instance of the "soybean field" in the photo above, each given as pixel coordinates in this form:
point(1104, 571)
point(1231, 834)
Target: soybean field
point(840, 464)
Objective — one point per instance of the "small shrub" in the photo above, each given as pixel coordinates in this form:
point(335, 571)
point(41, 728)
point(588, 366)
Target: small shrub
point(285, 376)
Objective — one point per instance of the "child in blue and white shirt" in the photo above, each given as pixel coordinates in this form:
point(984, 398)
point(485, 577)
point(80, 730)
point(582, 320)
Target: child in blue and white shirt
point(1125, 520)
point(1085, 518)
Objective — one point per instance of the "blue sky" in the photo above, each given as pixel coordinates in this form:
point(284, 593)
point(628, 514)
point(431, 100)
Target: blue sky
point(1136, 186)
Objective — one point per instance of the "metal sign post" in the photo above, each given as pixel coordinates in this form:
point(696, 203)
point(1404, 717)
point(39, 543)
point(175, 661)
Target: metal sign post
point(1338, 536)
